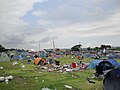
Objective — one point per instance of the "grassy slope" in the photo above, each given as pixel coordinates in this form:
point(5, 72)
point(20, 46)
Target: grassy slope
point(31, 78)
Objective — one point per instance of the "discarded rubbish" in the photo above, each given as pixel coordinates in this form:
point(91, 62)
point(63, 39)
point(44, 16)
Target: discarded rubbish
point(68, 70)
point(9, 77)
point(39, 72)
point(73, 76)
point(90, 81)
point(1, 67)
point(36, 77)
point(43, 80)
point(44, 67)
point(74, 65)
point(23, 66)
point(49, 70)
point(6, 79)
point(55, 88)
point(2, 79)
point(64, 72)
point(60, 71)
point(67, 86)
point(15, 63)
point(45, 88)
point(72, 57)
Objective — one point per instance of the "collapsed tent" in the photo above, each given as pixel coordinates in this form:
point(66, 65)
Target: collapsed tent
point(111, 72)
point(112, 80)
point(40, 61)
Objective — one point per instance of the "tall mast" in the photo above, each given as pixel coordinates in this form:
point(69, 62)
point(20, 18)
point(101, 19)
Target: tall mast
point(39, 47)
point(53, 46)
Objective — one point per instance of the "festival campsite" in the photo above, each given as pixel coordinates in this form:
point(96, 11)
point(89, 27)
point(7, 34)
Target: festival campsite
point(45, 74)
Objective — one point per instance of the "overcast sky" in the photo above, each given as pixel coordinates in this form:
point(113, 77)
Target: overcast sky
point(28, 23)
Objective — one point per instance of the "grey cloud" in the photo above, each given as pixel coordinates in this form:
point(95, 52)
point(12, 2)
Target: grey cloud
point(33, 42)
point(11, 22)
point(107, 27)
point(43, 40)
point(13, 40)
point(48, 39)
point(80, 11)
point(33, 31)
point(94, 41)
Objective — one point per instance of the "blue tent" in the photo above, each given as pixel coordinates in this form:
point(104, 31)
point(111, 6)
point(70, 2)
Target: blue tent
point(93, 64)
point(113, 62)
point(116, 56)
point(20, 57)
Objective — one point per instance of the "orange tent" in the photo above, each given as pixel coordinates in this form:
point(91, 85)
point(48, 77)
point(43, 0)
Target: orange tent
point(40, 61)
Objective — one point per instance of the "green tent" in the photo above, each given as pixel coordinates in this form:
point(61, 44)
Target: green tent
point(4, 57)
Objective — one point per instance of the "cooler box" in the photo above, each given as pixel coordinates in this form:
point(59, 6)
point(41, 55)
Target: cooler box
point(74, 65)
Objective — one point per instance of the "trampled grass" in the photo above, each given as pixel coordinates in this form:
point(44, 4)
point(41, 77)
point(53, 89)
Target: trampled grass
point(32, 78)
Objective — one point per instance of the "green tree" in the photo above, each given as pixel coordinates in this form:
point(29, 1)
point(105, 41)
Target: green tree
point(88, 48)
point(96, 49)
point(76, 47)
point(1, 48)
point(105, 46)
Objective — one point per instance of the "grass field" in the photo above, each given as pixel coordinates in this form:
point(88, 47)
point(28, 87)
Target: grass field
point(32, 78)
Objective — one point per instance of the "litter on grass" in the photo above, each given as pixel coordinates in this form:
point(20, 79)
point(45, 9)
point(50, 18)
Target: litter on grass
point(6, 79)
point(15, 63)
point(67, 86)
point(45, 88)
point(1, 67)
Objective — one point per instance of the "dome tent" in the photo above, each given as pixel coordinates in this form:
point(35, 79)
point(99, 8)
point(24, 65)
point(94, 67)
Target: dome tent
point(4, 57)
point(93, 64)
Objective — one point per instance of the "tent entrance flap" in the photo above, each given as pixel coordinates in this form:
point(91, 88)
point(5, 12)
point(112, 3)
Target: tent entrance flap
point(40, 61)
